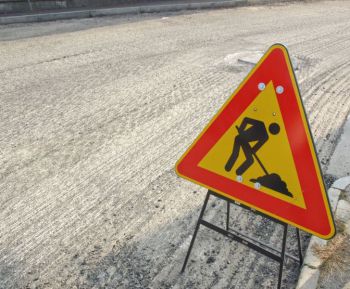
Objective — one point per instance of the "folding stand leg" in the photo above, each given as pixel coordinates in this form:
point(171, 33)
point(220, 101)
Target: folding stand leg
point(228, 216)
point(299, 247)
point(195, 231)
point(282, 255)
point(246, 240)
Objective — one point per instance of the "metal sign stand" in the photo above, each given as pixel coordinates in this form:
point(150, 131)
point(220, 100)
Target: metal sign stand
point(246, 240)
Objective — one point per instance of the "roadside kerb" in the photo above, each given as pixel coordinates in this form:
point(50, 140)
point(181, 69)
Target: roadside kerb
point(51, 16)
point(44, 17)
point(310, 271)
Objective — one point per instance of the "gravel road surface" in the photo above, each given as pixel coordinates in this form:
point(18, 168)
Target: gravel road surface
point(94, 115)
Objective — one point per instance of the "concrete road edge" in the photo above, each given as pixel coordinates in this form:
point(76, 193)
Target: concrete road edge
point(179, 6)
point(310, 270)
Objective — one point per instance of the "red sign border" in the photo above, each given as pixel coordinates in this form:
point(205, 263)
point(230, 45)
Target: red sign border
point(317, 217)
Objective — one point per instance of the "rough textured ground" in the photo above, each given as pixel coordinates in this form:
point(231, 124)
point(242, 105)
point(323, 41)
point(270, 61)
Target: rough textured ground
point(94, 114)
point(339, 261)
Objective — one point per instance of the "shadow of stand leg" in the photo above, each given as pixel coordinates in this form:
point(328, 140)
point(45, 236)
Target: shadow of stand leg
point(195, 232)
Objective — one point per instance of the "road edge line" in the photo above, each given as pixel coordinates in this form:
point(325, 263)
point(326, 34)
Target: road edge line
point(100, 12)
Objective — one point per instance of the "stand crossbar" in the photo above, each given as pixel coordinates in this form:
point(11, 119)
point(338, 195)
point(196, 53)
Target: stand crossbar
point(250, 242)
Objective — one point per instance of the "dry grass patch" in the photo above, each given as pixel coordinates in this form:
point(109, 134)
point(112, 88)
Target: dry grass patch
point(335, 255)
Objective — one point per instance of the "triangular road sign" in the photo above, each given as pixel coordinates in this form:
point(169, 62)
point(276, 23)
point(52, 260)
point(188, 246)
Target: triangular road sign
point(258, 150)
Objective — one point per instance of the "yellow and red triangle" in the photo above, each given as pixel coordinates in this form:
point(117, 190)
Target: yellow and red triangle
point(258, 150)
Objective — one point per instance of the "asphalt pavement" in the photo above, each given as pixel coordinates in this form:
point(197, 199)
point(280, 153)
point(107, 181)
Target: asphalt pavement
point(95, 113)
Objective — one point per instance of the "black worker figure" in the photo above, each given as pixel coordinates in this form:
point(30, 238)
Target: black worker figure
point(253, 130)
point(250, 130)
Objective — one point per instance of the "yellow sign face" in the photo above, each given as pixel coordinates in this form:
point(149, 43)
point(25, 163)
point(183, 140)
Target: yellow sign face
point(258, 150)
point(275, 154)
